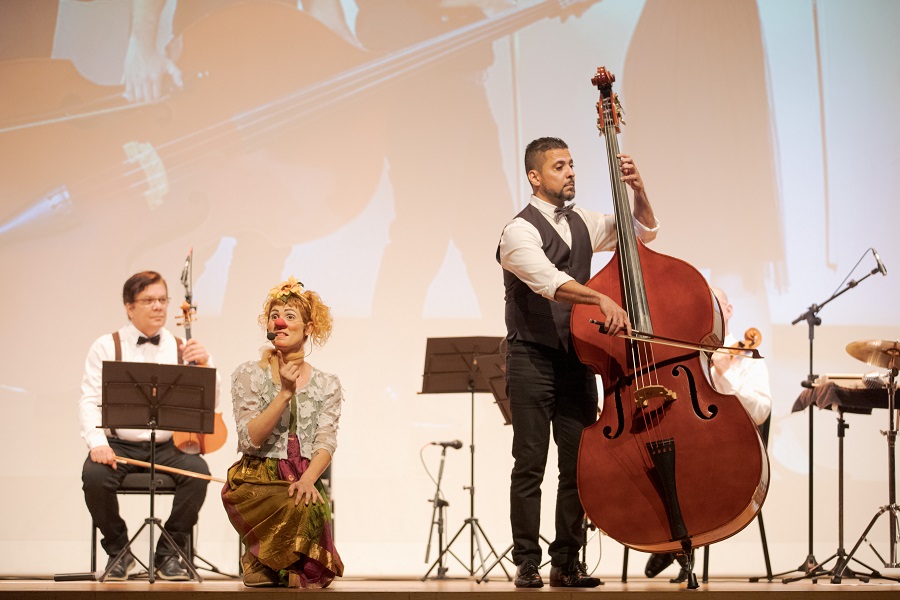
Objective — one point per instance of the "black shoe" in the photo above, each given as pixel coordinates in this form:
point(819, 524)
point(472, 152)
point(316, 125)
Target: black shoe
point(120, 571)
point(657, 563)
point(170, 569)
point(684, 574)
point(572, 575)
point(528, 576)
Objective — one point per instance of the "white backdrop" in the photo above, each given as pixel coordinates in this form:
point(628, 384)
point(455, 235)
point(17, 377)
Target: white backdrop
point(767, 138)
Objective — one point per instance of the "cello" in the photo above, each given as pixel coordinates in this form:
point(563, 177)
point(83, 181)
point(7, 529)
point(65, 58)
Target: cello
point(186, 441)
point(670, 464)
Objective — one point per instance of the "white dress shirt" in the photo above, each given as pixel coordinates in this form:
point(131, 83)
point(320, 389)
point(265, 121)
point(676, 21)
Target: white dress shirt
point(103, 348)
point(522, 254)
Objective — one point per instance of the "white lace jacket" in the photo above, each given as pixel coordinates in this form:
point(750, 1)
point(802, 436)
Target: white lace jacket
point(318, 411)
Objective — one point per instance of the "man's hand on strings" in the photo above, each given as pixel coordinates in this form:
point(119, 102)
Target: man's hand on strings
point(616, 317)
point(630, 174)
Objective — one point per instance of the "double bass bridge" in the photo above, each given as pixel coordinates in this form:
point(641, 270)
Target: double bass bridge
point(659, 395)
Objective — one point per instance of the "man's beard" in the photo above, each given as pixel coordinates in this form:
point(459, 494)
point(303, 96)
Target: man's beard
point(564, 195)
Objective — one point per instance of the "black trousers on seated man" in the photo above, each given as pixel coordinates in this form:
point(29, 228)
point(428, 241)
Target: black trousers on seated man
point(548, 389)
point(100, 483)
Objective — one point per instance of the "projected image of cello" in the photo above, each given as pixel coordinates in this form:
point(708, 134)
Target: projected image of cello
point(671, 464)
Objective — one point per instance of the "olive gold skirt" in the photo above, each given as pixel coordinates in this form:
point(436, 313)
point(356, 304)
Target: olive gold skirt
point(279, 534)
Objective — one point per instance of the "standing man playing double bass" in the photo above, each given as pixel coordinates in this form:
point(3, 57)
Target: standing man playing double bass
point(545, 252)
point(144, 339)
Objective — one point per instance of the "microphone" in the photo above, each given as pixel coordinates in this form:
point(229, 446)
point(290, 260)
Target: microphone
point(881, 266)
point(270, 335)
point(456, 444)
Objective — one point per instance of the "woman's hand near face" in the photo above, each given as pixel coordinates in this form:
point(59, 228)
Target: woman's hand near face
point(289, 373)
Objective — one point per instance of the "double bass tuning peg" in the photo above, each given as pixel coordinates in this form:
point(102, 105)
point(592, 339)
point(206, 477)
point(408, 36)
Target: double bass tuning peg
point(619, 111)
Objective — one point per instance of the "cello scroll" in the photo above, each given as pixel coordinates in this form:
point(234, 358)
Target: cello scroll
point(190, 442)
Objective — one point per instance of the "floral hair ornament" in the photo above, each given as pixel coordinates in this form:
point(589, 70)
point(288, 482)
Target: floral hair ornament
point(284, 290)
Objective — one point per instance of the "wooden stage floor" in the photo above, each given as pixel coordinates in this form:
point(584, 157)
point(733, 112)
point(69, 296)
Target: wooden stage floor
point(216, 588)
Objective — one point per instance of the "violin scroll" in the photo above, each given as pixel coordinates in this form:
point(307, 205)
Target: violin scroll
point(752, 339)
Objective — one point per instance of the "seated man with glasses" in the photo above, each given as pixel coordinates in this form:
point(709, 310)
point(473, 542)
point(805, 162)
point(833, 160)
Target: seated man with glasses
point(144, 339)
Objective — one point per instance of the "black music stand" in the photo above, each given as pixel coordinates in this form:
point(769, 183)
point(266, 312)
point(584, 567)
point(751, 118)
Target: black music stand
point(453, 366)
point(153, 396)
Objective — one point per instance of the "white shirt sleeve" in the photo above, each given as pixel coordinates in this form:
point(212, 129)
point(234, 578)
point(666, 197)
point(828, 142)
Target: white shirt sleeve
point(89, 406)
point(748, 379)
point(522, 254)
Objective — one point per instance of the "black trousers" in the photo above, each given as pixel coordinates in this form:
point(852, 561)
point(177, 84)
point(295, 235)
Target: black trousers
point(548, 389)
point(100, 483)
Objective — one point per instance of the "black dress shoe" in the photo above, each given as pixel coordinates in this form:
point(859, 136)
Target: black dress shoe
point(171, 569)
point(119, 572)
point(684, 574)
point(572, 575)
point(657, 563)
point(528, 576)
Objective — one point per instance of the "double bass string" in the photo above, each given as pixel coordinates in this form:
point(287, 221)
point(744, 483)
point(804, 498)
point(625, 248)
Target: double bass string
point(635, 302)
point(612, 150)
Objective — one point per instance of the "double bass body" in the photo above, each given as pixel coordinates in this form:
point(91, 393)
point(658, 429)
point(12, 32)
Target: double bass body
point(670, 464)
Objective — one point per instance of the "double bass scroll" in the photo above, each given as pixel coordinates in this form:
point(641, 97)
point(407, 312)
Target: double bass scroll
point(670, 464)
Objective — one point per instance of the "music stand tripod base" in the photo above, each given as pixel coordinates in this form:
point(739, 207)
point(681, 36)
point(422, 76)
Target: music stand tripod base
point(452, 366)
point(156, 396)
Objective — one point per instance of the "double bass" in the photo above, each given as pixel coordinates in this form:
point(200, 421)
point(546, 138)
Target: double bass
point(670, 464)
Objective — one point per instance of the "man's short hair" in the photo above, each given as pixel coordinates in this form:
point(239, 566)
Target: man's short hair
point(534, 152)
point(137, 283)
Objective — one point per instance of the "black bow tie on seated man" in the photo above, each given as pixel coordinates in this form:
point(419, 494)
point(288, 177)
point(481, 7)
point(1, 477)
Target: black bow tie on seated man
point(153, 340)
point(562, 211)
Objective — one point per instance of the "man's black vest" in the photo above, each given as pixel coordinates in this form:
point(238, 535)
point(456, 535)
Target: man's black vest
point(531, 317)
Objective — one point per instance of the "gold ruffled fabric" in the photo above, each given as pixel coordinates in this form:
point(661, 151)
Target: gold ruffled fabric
point(274, 530)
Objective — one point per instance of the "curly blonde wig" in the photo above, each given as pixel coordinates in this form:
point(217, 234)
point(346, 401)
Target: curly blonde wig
point(292, 293)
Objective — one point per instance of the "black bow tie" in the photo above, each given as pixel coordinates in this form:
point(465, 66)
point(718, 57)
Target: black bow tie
point(562, 211)
point(153, 340)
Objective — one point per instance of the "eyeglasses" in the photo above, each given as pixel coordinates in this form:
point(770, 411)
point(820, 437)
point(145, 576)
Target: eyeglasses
point(152, 301)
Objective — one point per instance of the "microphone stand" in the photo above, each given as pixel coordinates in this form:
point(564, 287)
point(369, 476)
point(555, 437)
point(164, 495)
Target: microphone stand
point(812, 568)
point(438, 514)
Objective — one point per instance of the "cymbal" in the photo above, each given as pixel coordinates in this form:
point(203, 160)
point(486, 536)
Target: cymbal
point(878, 353)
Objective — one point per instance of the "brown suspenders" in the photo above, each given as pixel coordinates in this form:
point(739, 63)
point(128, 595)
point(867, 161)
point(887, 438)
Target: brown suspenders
point(118, 343)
